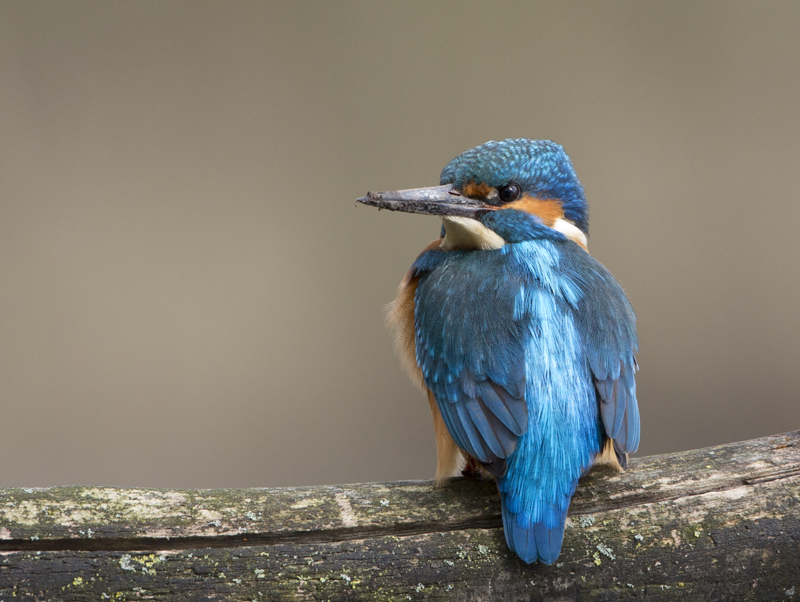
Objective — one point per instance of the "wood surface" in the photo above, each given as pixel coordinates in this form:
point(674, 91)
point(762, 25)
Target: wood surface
point(721, 523)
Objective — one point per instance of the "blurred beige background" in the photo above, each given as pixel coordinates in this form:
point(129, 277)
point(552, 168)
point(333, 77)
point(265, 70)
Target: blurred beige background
point(189, 296)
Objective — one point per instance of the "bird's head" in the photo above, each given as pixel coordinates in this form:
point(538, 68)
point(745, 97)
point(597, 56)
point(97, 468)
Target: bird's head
point(498, 192)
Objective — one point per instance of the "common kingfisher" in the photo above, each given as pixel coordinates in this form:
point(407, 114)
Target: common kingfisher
point(524, 343)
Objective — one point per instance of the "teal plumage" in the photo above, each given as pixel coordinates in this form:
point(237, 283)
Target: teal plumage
point(527, 344)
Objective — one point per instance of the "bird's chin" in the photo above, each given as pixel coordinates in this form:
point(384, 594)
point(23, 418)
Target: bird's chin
point(463, 233)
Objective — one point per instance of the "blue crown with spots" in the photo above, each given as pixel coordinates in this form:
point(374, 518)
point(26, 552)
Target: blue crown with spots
point(540, 167)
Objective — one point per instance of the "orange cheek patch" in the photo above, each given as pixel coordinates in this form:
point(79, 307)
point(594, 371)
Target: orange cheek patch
point(549, 210)
point(476, 189)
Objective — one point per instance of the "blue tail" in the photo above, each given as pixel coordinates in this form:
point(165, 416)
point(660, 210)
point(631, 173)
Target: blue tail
point(538, 542)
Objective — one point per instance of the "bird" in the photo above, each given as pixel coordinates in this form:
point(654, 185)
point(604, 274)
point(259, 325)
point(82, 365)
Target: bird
point(524, 343)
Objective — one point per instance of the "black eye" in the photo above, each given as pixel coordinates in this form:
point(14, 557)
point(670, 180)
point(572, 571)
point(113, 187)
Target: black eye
point(509, 193)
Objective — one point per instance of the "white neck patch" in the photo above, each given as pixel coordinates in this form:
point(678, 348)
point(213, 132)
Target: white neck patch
point(462, 233)
point(571, 231)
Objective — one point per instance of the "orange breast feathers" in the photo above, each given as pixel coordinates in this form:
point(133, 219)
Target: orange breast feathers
point(400, 321)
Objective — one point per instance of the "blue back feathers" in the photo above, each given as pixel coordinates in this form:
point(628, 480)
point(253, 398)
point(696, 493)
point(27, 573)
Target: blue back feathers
point(528, 349)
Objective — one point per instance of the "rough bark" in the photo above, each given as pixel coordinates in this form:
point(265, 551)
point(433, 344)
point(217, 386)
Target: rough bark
point(719, 523)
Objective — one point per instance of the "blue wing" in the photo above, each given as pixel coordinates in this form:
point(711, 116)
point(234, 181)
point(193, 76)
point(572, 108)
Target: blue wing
point(470, 349)
point(607, 325)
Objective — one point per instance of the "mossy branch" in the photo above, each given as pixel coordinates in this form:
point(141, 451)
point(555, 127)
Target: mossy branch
point(718, 523)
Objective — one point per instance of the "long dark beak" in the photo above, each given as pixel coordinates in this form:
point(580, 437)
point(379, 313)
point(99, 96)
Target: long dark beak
point(436, 200)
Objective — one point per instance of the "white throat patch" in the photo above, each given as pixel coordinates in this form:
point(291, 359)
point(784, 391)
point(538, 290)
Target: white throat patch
point(466, 233)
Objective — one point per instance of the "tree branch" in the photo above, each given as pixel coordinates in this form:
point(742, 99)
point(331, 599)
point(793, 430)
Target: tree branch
point(718, 523)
